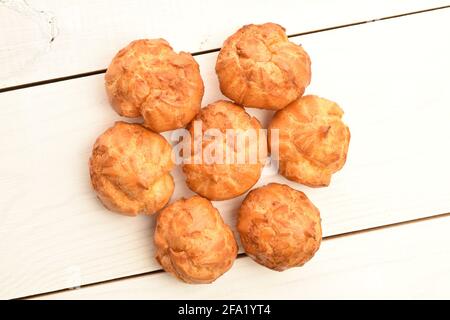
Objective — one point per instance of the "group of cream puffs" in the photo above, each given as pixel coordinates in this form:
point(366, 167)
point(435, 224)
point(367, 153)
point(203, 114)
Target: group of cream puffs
point(257, 67)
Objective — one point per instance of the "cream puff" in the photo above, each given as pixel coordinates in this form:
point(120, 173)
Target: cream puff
point(279, 227)
point(147, 78)
point(193, 242)
point(130, 169)
point(312, 140)
point(259, 67)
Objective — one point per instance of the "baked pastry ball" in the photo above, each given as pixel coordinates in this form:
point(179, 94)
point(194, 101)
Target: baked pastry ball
point(313, 140)
point(259, 67)
point(225, 177)
point(147, 78)
point(130, 168)
point(279, 227)
point(192, 241)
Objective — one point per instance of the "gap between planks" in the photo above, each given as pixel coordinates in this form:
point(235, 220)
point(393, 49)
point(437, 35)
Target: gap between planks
point(96, 72)
point(243, 255)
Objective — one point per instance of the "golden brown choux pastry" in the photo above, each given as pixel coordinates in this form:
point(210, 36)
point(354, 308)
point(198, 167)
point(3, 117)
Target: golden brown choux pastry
point(259, 67)
point(147, 78)
point(279, 227)
point(130, 168)
point(313, 140)
point(229, 179)
point(192, 241)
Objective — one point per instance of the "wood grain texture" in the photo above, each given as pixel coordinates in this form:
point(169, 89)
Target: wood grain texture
point(392, 263)
point(391, 78)
point(46, 39)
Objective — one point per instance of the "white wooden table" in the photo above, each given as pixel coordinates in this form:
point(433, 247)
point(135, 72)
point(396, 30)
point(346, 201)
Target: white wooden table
point(385, 215)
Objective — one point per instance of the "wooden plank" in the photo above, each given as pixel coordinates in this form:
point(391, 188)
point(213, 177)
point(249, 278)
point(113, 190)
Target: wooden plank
point(396, 105)
point(391, 263)
point(47, 39)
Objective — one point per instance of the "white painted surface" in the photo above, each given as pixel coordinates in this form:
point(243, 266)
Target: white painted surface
point(391, 78)
point(87, 33)
point(403, 262)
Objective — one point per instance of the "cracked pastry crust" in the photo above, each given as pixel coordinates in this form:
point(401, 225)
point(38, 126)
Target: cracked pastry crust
point(313, 140)
point(129, 169)
point(193, 242)
point(259, 67)
point(226, 179)
point(147, 78)
point(279, 227)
